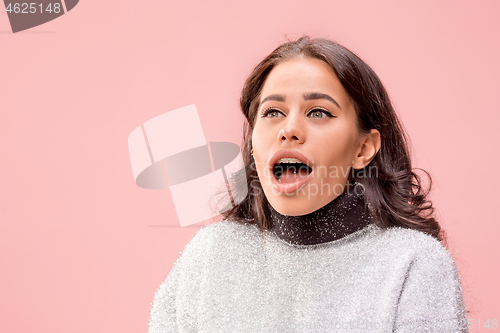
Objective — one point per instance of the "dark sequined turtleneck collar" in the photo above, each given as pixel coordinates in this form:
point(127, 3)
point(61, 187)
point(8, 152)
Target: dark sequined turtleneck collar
point(340, 217)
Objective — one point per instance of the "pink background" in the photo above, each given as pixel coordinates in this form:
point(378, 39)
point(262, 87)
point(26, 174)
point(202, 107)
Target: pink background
point(83, 249)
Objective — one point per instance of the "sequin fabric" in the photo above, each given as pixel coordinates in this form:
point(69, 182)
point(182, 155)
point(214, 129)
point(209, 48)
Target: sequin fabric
point(231, 277)
point(339, 218)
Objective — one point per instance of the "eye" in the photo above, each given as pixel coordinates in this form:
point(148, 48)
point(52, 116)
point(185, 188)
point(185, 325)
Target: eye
point(318, 112)
point(271, 113)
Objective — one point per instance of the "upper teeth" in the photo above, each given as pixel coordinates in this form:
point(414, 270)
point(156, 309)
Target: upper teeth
point(288, 160)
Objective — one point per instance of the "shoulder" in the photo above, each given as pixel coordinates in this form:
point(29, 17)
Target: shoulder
point(414, 246)
point(225, 231)
point(412, 240)
point(222, 236)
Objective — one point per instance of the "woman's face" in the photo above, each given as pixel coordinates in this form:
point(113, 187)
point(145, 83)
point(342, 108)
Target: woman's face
point(304, 109)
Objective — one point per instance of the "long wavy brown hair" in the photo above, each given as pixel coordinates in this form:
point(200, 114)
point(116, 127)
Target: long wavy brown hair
point(394, 196)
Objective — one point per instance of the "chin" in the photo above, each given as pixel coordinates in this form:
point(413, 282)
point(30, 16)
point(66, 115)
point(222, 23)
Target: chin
point(286, 205)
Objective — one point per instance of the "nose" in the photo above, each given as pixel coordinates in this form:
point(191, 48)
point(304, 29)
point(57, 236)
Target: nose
point(292, 131)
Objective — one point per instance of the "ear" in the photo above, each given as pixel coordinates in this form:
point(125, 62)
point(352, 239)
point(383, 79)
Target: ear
point(369, 147)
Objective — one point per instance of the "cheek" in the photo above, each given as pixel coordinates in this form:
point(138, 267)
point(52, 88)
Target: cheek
point(260, 147)
point(337, 150)
point(256, 144)
point(261, 138)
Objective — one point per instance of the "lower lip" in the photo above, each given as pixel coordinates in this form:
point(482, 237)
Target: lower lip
point(289, 188)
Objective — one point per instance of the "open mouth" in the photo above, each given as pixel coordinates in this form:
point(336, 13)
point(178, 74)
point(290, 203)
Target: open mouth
point(291, 171)
point(287, 172)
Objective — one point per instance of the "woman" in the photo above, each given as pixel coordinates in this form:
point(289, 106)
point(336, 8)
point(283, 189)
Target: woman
point(336, 232)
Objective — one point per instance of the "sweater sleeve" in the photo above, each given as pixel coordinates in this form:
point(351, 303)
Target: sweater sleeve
point(431, 299)
point(162, 318)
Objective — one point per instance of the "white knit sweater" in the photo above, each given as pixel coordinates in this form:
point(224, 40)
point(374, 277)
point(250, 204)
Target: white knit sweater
point(233, 278)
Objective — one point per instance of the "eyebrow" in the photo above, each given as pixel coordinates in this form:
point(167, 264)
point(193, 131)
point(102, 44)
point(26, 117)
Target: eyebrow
point(316, 95)
point(306, 96)
point(275, 97)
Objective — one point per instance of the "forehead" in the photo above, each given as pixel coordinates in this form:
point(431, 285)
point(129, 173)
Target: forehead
point(300, 74)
